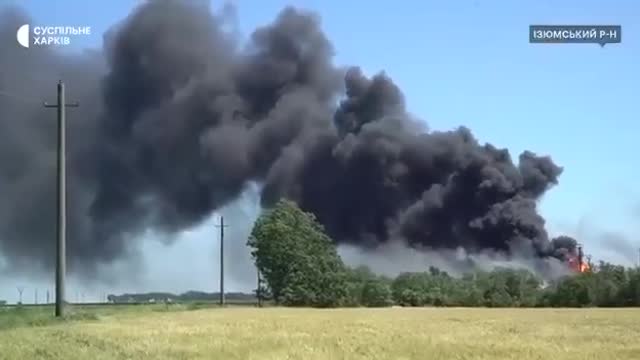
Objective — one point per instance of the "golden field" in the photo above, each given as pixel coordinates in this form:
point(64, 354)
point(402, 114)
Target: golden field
point(311, 334)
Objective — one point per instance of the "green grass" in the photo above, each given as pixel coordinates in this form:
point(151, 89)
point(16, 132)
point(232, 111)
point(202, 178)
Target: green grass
point(13, 317)
point(33, 316)
point(151, 332)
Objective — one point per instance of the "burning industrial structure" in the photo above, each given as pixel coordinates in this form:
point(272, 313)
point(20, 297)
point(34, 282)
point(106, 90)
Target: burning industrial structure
point(171, 130)
point(577, 261)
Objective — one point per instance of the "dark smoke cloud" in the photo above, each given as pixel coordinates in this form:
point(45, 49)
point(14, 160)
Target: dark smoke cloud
point(564, 247)
point(28, 144)
point(176, 120)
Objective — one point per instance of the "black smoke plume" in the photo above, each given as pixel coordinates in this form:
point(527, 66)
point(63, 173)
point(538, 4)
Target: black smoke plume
point(176, 119)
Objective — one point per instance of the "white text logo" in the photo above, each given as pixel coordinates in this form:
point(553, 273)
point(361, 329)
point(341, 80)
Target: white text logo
point(49, 35)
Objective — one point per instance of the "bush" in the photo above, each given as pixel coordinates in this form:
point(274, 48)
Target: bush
point(376, 293)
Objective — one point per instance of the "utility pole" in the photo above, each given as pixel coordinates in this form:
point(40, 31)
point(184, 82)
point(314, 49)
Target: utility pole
point(20, 290)
point(61, 265)
point(222, 226)
point(36, 296)
point(259, 290)
point(47, 296)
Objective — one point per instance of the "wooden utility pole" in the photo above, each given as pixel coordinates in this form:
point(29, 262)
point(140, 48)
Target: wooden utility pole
point(222, 226)
point(259, 290)
point(61, 265)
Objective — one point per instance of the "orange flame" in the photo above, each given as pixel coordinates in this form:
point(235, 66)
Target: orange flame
point(577, 266)
point(584, 267)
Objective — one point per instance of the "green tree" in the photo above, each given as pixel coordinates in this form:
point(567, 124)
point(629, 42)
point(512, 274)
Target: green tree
point(522, 286)
point(409, 289)
point(498, 297)
point(356, 279)
point(606, 286)
point(299, 262)
point(630, 290)
point(571, 291)
point(410, 297)
point(376, 293)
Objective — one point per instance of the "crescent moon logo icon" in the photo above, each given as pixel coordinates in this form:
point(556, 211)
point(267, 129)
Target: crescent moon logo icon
point(23, 36)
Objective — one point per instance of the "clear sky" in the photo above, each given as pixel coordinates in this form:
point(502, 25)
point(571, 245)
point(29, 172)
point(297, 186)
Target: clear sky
point(468, 62)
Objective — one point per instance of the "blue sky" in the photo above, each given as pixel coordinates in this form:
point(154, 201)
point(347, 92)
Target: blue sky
point(468, 62)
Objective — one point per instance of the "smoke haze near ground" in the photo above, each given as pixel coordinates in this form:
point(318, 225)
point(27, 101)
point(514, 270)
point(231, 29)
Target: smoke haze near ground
point(170, 131)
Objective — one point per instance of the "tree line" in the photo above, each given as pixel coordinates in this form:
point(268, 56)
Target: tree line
point(189, 296)
point(300, 266)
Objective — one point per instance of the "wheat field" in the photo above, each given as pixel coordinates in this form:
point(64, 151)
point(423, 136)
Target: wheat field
point(278, 333)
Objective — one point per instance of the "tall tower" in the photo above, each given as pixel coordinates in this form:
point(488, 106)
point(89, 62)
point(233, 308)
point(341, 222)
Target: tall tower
point(580, 257)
